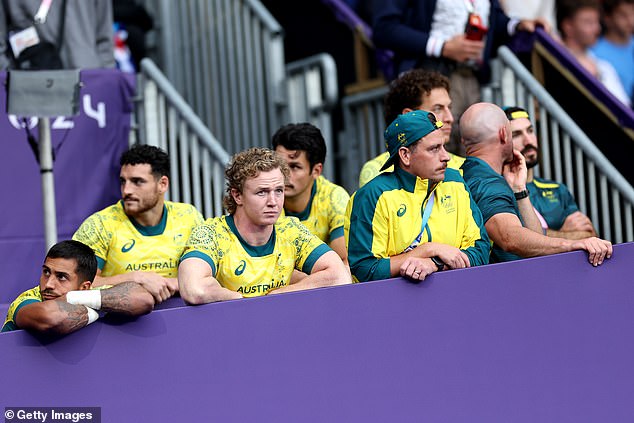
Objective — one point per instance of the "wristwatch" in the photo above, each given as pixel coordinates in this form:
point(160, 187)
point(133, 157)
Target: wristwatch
point(521, 195)
point(438, 262)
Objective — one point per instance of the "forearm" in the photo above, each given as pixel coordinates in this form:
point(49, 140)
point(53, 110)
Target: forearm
point(526, 243)
point(529, 218)
point(55, 317)
point(128, 298)
point(319, 279)
point(570, 234)
point(205, 290)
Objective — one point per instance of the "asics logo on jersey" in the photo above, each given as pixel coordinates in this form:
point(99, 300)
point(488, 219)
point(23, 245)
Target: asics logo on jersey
point(127, 247)
point(401, 211)
point(240, 269)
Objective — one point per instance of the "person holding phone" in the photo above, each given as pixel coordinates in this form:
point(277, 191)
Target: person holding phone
point(454, 37)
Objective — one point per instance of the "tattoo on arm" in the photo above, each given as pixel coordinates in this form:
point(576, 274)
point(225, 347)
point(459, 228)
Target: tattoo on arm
point(75, 317)
point(128, 298)
point(116, 299)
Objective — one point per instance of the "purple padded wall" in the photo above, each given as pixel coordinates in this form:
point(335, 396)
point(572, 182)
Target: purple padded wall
point(86, 173)
point(539, 340)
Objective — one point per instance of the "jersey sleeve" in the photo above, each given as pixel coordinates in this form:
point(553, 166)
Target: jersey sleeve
point(308, 247)
point(27, 297)
point(494, 198)
point(94, 234)
point(475, 241)
point(567, 201)
point(365, 226)
point(338, 202)
point(203, 244)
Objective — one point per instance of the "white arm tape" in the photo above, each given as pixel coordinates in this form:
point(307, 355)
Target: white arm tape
point(92, 315)
point(89, 298)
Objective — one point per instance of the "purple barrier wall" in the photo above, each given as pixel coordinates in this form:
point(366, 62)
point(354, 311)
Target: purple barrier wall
point(540, 340)
point(86, 172)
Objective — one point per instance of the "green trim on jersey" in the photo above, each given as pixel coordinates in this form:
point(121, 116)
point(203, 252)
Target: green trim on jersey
point(385, 216)
point(234, 267)
point(151, 230)
point(304, 214)
point(122, 246)
point(30, 296)
point(325, 212)
point(252, 250)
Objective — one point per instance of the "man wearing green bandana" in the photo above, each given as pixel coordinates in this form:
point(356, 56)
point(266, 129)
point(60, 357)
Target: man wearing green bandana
point(419, 218)
point(554, 205)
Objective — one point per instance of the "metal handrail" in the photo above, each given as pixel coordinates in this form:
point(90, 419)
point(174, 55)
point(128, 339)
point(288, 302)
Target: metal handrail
point(566, 123)
point(149, 69)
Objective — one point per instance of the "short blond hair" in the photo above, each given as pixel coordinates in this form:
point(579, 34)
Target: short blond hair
point(249, 164)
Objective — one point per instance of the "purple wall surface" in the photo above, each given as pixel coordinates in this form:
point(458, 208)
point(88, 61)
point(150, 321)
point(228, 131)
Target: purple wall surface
point(539, 340)
point(86, 173)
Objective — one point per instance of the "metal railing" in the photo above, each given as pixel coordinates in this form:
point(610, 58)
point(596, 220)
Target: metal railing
point(197, 159)
point(567, 154)
point(312, 94)
point(226, 58)
point(362, 137)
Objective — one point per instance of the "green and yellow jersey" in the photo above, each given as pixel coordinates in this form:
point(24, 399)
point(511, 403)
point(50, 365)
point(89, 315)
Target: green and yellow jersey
point(385, 216)
point(33, 295)
point(372, 167)
point(122, 245)
point(254, 271)
point(326, 210)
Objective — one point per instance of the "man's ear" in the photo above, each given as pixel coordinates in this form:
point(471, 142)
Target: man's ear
point(317, 169)
point(503, 135)
point(164, 184)
point(85, 285)
point(405, 156)
point(237, 196)
point(406, 110)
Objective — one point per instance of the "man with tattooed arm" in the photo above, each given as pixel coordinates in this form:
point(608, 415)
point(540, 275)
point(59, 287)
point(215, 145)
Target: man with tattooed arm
point(64, 302)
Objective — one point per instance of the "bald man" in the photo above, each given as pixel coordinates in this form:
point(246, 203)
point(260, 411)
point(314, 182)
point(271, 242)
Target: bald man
point(496, 176)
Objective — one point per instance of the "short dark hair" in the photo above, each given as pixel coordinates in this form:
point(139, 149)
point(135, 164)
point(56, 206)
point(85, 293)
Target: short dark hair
point(568, 8)
point(610, 5)
point(84, 256)
point(304, 137)
point(148, 154)
point(406, 91)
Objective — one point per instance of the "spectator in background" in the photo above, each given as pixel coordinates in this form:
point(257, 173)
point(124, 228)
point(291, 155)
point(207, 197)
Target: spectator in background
point(318, 203)
point(253, 251)
point(87, 40)
point(416, 89)
point(63, 302)
point(554, 205)
point(496, 175)
point(616, 46)
point(531, 9)
point(578, 23)
point(418, 219)
point(141, 238)
point(134, 19)
point(431, 34)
